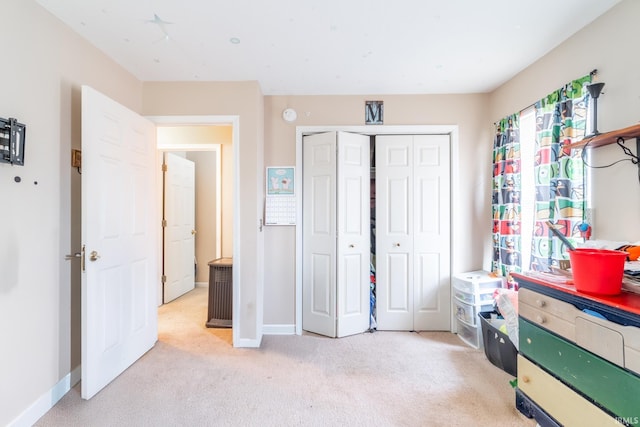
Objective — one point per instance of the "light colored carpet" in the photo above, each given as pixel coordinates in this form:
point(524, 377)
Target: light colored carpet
point(194, 377)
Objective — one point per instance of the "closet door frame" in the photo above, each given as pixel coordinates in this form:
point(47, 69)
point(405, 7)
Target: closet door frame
point(301, 131)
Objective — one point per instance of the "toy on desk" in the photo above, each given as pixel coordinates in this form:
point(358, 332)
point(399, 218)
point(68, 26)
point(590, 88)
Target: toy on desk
point(632, 250)
point(585, 230)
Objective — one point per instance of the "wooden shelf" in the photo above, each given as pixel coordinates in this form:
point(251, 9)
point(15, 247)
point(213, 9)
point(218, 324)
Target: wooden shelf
point(608, 137)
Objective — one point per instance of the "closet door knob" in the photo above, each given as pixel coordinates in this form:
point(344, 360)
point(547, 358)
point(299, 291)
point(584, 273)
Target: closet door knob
point(396, 245)
point(352, 245)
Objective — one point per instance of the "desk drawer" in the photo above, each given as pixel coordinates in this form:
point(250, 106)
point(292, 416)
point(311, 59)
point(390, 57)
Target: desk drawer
point(616, 343)
point(610, 386)
point(558, 400)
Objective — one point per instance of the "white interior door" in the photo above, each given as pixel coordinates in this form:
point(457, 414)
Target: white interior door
point(319, 234)
point(431, 233)
point(336, 249)
point(119, 216)
point(179, 232)
point(413, 232)
point(394, 233)
point(354, 222)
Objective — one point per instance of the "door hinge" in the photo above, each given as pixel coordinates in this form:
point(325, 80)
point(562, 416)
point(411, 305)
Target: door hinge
point(164, 222)
point(164, 167)
point(164, 279)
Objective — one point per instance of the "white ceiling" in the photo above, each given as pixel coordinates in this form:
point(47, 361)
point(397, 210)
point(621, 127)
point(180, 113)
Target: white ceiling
point(312, 47)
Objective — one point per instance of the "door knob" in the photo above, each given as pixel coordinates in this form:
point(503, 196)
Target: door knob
point(396, 245)
point(352, 245)
point(93, 256)
point(193, 232)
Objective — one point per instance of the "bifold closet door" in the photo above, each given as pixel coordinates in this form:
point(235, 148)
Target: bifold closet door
point(413, 232)
point(336, 239)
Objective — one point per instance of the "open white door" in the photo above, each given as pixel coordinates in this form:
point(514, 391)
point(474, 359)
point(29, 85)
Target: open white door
point(179, 230)
point(354, 233)
point(319, 234)
point(336, 235)
point(119, 220)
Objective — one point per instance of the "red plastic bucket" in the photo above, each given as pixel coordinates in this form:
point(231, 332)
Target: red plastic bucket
point(597, 271)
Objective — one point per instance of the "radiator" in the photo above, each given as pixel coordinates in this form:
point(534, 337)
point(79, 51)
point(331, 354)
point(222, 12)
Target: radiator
point(220, 293)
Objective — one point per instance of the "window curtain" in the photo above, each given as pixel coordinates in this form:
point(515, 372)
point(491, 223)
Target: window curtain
point(561, 119)
point(506, 198)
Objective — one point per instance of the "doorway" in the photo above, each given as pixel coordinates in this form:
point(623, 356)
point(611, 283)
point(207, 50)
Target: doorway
point(207, 204)
point(226, 164)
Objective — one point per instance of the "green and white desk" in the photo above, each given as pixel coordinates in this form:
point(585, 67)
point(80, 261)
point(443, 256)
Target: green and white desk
point(579, 355)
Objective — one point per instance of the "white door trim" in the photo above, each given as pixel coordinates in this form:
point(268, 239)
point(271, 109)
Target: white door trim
point(451, 130)
point(234, 121)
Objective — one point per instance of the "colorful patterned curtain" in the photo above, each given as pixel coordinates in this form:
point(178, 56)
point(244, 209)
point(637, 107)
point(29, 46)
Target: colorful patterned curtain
point(561, 119)
point(506, 197)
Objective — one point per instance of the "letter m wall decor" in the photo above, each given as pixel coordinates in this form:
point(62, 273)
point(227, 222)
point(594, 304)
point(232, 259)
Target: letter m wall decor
point(373, 112)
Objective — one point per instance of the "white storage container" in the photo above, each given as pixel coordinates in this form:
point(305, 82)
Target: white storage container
point(477, 283)
point(484, 296)
point(469, 313)
point(469, 334)
point(472, 294)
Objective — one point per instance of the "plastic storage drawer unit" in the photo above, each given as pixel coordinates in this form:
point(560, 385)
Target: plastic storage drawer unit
point(478, 283)
point(469, 334)
point(469, 313)
point(472, 294)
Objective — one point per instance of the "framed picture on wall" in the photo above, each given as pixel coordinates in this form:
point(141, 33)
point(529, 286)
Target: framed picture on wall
point(281, 180)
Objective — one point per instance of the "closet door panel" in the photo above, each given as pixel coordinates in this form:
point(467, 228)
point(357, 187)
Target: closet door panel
point(397, 194)
point(320, 285)
point(353, 244)
point(319, 235)
point(394, 233)
point(397, 283)
point(351, 273)
point(427, 268)
point(431, 233)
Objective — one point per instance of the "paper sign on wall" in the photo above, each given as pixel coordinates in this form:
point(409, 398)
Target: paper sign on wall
point(280, 207)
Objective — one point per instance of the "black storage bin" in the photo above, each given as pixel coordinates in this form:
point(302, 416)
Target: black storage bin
point(497, 346)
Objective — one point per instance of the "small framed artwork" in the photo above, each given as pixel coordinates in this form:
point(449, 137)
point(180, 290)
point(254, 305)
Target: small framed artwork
point(281, 181)
point(374, 112)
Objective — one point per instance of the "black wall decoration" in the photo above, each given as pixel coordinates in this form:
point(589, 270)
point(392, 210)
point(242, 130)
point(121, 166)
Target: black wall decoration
point(12, 136)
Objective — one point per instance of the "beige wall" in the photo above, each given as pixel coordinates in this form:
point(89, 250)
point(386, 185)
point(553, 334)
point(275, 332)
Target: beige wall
point(609, 45)
point(471, 174)
point(44, 66)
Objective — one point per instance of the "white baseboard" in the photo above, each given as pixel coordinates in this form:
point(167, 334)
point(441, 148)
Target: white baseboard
point(279, 329)
point(47, 400)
